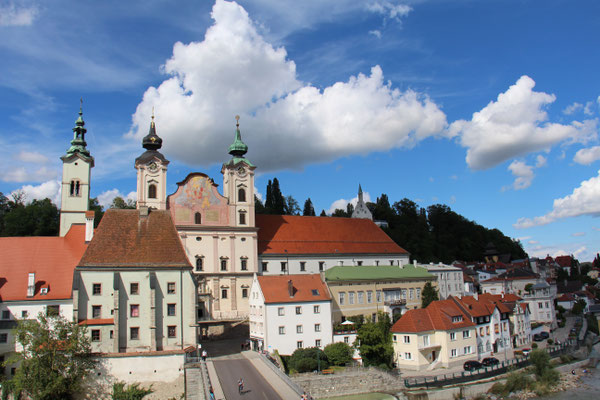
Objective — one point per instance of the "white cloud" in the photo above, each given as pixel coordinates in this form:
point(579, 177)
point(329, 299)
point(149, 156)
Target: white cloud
point(571, 109)
point(578, 234)
point(343, 203)
point(533, 242)
point(588, 109)
point(21, 174)
point(258, 194)
point(540, 161)
point(587, 156)
point(17, 15)
point(32, 157)
point(513, 125)
point(49, 189)
point(452, 199)
point(376, 33)
point(286, 123)
point(524, 174)
point(583, 201)
point(389, 9)
point(106, 198)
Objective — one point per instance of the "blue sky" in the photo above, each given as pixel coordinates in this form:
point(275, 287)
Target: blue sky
point(490, 107)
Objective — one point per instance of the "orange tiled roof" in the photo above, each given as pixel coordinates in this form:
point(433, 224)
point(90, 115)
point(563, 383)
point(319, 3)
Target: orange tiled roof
point(322, 235)
point(51, 258)
point(125, 239)
point(499, 301)
point(437, 316)
point(275, 289)
point(475, 308)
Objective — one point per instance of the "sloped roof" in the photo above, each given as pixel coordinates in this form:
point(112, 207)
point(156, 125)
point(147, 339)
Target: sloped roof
point(437, 316)
point(505, 304)
point(563, 261)
point(52, 259)
point(290, 234)
point(306, 288)
point(476, 307)
point(126, 239)
point(516, 273)
point(381, 272)
point(566, 297)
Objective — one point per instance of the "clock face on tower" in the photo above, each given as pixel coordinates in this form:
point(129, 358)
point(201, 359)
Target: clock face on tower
point(241, 171)
point(152, 167)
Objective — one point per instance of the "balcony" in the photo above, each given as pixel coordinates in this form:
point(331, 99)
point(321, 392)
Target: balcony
point(395, 302)
point(429, 346)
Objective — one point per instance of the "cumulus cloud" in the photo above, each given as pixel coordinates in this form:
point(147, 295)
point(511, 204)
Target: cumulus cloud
point(389, 9)
point(589, 108)
point(343, 203)
point(32, 157)
point(17, 15)
point(285, 122)
point(376, 33)
point(513, 125)
point(540, 161)
point(583, 201)
point(571, 109)
point(106, 198)
point(587, 156)
point(49, 189)
point(21, 174)
point(524, 174)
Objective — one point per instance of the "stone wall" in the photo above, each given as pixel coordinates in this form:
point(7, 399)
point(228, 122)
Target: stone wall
point(352, 381)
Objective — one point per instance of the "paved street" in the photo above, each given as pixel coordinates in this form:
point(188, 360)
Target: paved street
point(233, 367)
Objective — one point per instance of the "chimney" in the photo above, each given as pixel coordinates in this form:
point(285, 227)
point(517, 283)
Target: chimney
point(89, 225)
point(290, 288)
point(31, 284)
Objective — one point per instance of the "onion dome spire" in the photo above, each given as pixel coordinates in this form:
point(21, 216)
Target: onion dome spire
point(238, 148)
point(78, 143)
point(152, 141)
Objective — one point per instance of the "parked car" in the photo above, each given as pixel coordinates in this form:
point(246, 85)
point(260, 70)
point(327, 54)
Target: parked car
point(489, 361)
point(538, 337)
point(472, 365)
point(525, 352)
point(544, 335)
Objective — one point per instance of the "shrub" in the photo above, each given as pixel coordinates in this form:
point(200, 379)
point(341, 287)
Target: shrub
point(498, 389)
point(338, 353)
point(561, 323)
point(517, 380)
point(550, 341)
point(534, 345)
point(296, 363)
point(550, 376)
point(306, 365)
point(132, 392)
point(566, 358)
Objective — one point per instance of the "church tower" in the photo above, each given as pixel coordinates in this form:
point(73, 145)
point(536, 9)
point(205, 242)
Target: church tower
point(238, 182)
point(75, 188)
point(152, 172)
point(361, 210)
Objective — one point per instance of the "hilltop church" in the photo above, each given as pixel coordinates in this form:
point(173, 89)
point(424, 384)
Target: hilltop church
point(180, 266)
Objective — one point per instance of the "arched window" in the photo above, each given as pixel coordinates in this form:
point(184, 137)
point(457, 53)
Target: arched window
point(242, 218)
point(199, 264)
point(241, 194)
point(72, 189)
point(152, 191)
point(77, 188)
point(198, 218)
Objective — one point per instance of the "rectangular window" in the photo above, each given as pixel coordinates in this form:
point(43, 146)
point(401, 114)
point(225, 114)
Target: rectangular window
point(244, 293)
point(361, 297)
point(318, 343)
point(540, 305)
point(298, 310)
point(53, 311)
point(453, 353)
point(298, 328)
point(406, 339)
point(172, 331)
point(280, 311)
point(342, 298)
point(265, 266)
point(134, 288)
point(299, 344)
point(350, 297)
point(418, 293)
point(317, 327)
point(242, 218)
point(282, 330)
point(359, 263)
point(453, 336)
point(171, 309)
point(24, 314)
point(3, 338)
point(244, 264)
point(378, 296)
point(223, 265)
point(466, 334)
point(302, 265)
point(369, 296)
point(426, 340)
point(283, 266)
point(171, 288)
point(411, 293)
point(407, 356)
point(391, 262)
point(316, 309)
point(96, 312)
point(110, 334)
point(5, 314)
point(134, 333)
point(134, 310)
point(404, 294)
point(223, 293)
point(95, 335)
point(467, 349)
point(321, 265)
point(346, 339)
point(97, 289)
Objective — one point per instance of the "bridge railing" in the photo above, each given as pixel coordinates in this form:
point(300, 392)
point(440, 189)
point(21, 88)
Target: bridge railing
point(281, 375)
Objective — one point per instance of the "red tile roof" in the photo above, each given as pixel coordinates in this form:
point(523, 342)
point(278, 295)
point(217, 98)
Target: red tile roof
point(437, 316)
point(126, 239)
point(52, 259)
point(322, 235)
point(275, 289)
point(566, 297)
point(502, 302)
point(475, 307)
point(563, 261)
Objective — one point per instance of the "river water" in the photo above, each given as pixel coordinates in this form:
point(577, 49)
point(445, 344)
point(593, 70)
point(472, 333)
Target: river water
point(589, 388)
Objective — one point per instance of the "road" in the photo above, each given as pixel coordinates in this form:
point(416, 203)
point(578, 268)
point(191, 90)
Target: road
point(233, 367)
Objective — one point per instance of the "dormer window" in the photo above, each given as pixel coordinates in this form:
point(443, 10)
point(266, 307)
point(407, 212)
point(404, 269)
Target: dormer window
point(241, 195)
point(152, 191)
point(458, 318)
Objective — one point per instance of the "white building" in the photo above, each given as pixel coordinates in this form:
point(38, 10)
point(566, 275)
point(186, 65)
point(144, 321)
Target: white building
point(449, 278)
point(289, 312)
point(541, 303)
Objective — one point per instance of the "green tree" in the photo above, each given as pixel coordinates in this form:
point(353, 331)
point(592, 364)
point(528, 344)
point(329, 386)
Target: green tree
point(259, 207)
point(529, 287)
point(131, 392)
point(37, 218)
point(309, 210)
point(121, 203)
point(338, 353)
point(579, 306)
point(376, 342)
point(291, 206)
point(306, 360)
point(428, 295)
point(542, 367)
point(278, 199)
point(323, 213)
point(98, 210)
point(597, 261)
point(338, 212)
point(55, 358)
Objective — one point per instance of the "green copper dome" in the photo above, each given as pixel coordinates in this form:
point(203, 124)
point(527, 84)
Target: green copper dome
point(238, 148)
point(78, 143)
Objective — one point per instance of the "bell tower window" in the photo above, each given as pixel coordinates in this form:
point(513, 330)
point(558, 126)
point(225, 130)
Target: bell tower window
point(242, 218)
point(152, 191)
point(199, 264)
point(74, 188)
point(198, 218)
point(241, 195)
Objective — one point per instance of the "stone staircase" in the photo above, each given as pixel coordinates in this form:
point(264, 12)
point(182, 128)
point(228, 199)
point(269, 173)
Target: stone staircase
point(194, 382)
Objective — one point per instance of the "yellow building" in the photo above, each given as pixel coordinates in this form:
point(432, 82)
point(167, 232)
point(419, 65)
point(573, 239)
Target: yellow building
point(366, 290)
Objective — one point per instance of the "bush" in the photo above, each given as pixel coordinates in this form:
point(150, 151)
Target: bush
point(132, 392)
point(306, 365)
point(296, 361)
point(561, 323)
point(550, 341)
point(534, 345)
point(566, 358)
point(550, 376)
point(517, 380)
point(498, 389)
point(540, 360)
point(338, 353)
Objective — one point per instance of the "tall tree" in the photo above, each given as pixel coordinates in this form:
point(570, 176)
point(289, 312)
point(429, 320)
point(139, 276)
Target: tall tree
point(309, 210)
point(38, 218)
point(429, 294)
point(269, 205)
point(98, 210)
point(278, 199)
point(55, 358)
point(121, 203)
point(259, 207)
point(291, 206)
point(376, 342)
point(323, 213)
